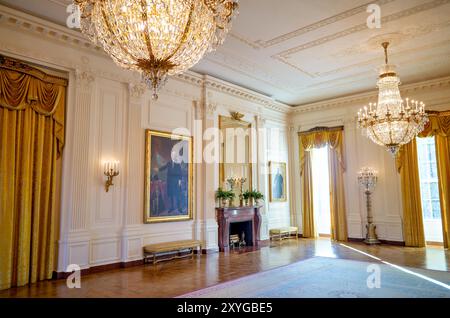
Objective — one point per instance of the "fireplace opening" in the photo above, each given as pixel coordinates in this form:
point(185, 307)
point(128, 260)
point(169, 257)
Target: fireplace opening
point(244, 231)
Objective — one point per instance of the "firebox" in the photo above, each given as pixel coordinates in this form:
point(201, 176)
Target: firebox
point(244, 230)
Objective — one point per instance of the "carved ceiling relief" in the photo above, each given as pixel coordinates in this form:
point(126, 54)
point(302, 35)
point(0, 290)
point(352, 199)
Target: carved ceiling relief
point(285, 56)
point(409, 33)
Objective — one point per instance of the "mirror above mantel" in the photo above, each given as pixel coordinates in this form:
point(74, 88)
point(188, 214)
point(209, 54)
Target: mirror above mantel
point(235, 150)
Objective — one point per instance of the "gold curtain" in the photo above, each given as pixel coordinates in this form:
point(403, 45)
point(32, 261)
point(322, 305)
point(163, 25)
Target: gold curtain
point(317, 138)
point(407, 165)
point(439, 127)
point(309, 229)
point(32, 106)
point(337, 196)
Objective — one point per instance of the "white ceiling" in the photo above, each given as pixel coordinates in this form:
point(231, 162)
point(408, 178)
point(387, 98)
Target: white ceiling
point(301, 51)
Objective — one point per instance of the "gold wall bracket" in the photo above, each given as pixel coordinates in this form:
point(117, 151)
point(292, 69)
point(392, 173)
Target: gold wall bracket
point(110, 176)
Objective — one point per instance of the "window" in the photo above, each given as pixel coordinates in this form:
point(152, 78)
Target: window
point(429, 190)
point(321, 190)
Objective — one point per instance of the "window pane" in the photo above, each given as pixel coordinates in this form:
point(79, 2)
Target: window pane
point(436, 205)
point(434, 191)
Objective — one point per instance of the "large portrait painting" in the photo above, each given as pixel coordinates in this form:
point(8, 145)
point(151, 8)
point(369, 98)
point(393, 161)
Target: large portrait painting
point(168, 177)
point(277, 181)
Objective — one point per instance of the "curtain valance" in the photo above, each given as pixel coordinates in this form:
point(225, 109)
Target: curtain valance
point(321, 137)
point(22, 86)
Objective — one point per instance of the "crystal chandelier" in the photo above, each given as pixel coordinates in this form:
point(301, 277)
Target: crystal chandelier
point(156, 37)
point(392, 122)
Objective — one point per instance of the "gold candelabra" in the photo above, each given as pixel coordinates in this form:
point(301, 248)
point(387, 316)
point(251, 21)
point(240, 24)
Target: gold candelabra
point(237, 182)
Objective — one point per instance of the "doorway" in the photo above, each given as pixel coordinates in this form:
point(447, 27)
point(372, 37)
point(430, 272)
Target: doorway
point(321, 191)
point(429, 190)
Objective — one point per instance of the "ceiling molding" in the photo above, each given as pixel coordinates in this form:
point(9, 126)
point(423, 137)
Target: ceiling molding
point(256, 72)
point(393, 17)
point(392, 56)
point(228, 88)
point(364, 97)
point(46, 28)
point(315, 26)
point(286, 54)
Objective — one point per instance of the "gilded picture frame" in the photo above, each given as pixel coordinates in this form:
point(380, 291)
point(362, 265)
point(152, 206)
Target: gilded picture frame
point(168, 177)
point(277, 182)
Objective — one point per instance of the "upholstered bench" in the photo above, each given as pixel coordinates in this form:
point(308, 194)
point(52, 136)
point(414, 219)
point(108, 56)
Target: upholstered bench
point(284, 232)
point(167, 248)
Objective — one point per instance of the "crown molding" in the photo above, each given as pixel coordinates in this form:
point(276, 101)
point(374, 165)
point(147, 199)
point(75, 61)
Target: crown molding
point(246, 94)
point(364, 97)
point(46, 28)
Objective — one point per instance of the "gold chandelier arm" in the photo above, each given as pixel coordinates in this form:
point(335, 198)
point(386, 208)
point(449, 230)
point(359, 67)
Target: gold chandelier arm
point(147, 32)
point(124, 49)
point(185, 33)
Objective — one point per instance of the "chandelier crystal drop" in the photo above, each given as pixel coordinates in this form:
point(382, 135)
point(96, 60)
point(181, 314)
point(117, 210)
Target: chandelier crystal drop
point(156, 37)
point(392, 122)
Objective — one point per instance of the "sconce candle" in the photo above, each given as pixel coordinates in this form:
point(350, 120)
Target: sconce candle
point(110, 170)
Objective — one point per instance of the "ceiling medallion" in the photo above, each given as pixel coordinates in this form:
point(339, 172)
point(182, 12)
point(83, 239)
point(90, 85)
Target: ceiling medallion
point(392, 122)
point(157, 37)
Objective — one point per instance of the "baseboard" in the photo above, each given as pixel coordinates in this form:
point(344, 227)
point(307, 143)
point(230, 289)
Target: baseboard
point(385, 242)
point(100, 268)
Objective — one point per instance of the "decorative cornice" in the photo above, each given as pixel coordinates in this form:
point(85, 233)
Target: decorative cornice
point(48, 29)
point(364, 97)
point(224, 87)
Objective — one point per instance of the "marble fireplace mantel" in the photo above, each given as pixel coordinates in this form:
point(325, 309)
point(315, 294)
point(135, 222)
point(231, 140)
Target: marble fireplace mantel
point(226, 216)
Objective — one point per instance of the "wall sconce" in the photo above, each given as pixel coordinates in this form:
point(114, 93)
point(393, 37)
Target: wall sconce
point(111, 170)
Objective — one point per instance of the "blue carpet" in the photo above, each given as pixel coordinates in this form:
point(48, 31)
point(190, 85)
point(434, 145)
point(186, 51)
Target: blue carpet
point(321, 277)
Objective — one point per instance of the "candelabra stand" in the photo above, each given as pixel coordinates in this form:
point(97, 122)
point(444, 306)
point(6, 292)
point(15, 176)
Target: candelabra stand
point(367, 178)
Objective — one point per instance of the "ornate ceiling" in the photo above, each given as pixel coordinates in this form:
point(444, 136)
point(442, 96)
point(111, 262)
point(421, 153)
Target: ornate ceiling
point(302, 51)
